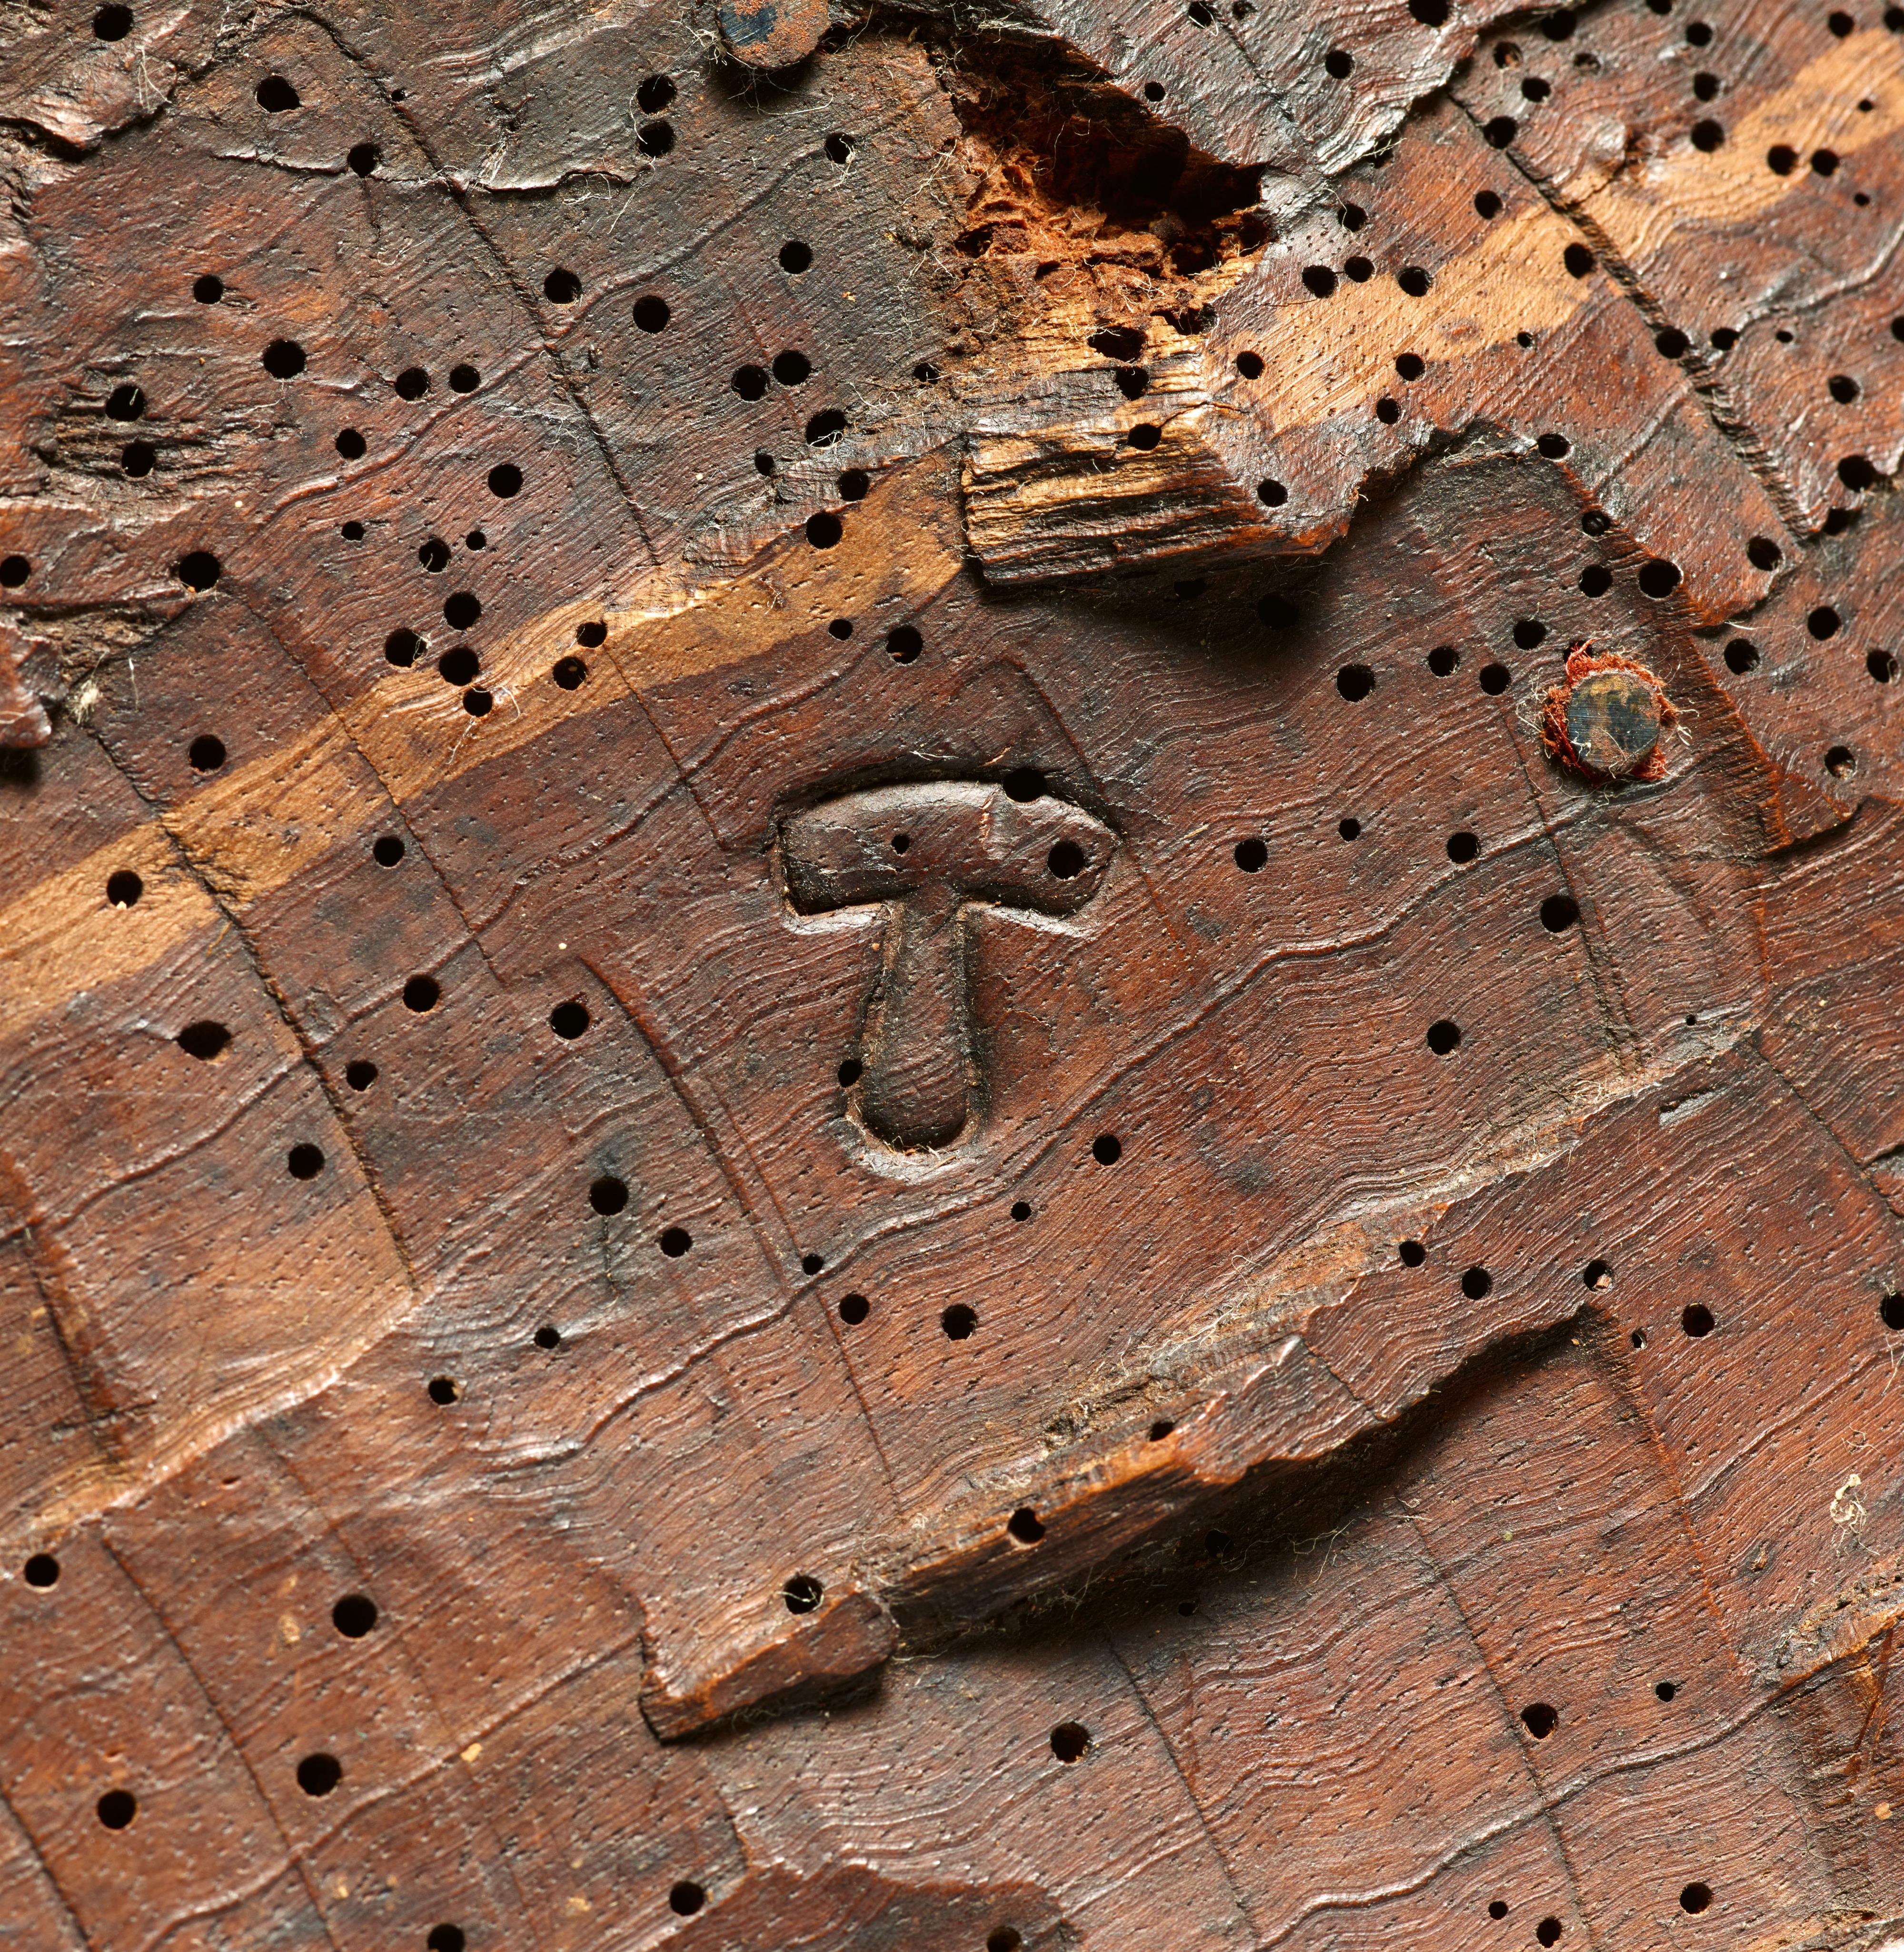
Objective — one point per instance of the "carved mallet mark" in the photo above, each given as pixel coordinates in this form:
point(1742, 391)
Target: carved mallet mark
point(775, 34)
point(924, 853)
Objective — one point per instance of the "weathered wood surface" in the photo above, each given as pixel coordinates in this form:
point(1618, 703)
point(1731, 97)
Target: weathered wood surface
point(865, 1083)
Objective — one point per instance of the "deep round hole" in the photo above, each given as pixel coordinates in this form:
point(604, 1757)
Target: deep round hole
point(795, 257)
point(198, 571)
point(1319, 280)
point(445, 1938)
point(354, 1615)
point(1250, 365)
point(1578, 259)
point(1857, 473)
point(1497, 1908)
point(825, 428)
point(824, 529)
point(401, 647)
point(1355, 681)
point(686, 1898)
point(1500, 131)
point(1487, 205)
point(1529, 632)
point(903, 644)
point(854, 1309)
point(1595, 579)
point(1412, 1253)
point(125, 403)
point(505, 480)
point(412, 383)
point(208, 288)
point(1107, 1149)
point(1841, 762)
point(362, 158)
point(749, 382)
point(1670, 344)
point(1161, 1429)
point(1024, 1526)
point(675, 1241)
point(958, 1322)
point(204, 1039)
point(123, 887)
point(1444, 660)
point(112, 24)
point(549, 1336)
point(655, 93)
point(1555, 447)
point(853, 484)
point(1409, 366)
point(849, 1073)
point(569, 673)
point(1540, 1720)
point(802, 1593)
point(1388, 411)
point(1021, 1209)
point(1350, 830)
point(1665, 1690)
point(284, 359)
point(569, 1020)
point(443, 1390)
point(1882, 666)
point(42, 1570)
point(1339, 63)
point(651, 313)
point(360, 1074)
point(1696, 1319)
point(206, 752)
point(1823, 622)
point(1658, 577)
point(607, 1194)
point(1495, 679)
point(1890, 1312)
point(1559, 912)
point(421, 993)
point(1548, 1932)
point(477, 702)
point(655, 139)
point(1708, 135)
point(304, 1162)
point(1250, 856)
point(1005, 1939)
point(561, 287)
point(116, 1808)
point(1444, 1035)
point(1069, 1740)
point(793, 369)
point(1414, 280)
point(465, 379)
point(1066, 860)
point(1024, 784)
point(1271, 494)
point(811, 1264)
point(458, 665)
point(1741, 655)
point(1463, 847)
point(386, 850)
point(839, 147)
point(461, 611)
point(319, 1775)
point(433, 554)
point(276, 95)
point(1477, 1283)
point(1145, 436)
point(1696, 1896)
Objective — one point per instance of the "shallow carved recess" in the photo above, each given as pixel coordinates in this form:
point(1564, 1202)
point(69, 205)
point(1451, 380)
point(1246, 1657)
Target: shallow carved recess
point(948, 976)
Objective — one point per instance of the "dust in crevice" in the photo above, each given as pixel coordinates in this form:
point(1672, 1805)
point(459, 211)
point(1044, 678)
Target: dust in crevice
point(1071, 195)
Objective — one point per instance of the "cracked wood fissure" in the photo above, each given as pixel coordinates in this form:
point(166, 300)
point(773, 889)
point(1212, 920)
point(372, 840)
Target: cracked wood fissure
point(836, 1110)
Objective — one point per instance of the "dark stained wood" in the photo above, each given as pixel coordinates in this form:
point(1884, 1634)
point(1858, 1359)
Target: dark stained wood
point(947, 974)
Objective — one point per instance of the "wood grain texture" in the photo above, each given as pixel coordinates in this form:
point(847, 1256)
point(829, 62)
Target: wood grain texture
point(830, 1121)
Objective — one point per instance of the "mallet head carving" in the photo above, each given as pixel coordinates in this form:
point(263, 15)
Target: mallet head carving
point(923, 852)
